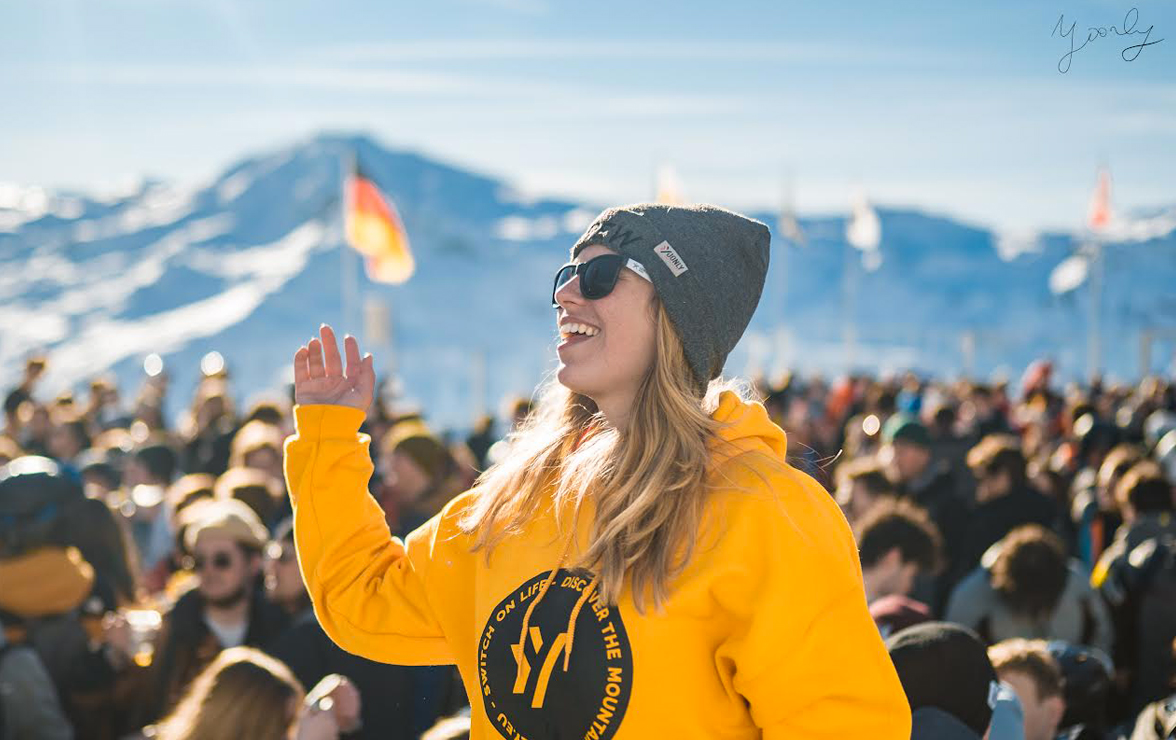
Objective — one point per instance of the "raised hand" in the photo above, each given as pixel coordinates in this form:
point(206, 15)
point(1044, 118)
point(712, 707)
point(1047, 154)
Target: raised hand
point(319, 375)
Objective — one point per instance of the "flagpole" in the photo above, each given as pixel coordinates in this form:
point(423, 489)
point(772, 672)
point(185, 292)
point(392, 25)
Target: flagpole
point(1094, 340)
point(348, 263)
point(787, 211)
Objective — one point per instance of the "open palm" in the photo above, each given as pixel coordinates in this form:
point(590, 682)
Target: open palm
point(319, 376)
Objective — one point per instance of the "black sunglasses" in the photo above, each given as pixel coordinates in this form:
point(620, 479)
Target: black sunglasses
point(598, 276)
point(219, 561)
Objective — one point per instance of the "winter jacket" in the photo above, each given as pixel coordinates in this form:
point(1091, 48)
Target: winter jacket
point(1080, 615)
point(29, 705)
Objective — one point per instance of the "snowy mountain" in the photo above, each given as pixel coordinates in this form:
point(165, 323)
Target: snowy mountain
point(250, 264)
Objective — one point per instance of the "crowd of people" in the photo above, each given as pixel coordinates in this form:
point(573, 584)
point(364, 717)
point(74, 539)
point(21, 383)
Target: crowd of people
point(1017, 543)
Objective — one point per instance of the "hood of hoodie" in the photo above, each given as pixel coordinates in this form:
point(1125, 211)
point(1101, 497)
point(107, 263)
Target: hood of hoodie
point(745, 427)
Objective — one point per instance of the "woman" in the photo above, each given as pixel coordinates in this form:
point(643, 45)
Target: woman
point(642, 563)
point(245, 693)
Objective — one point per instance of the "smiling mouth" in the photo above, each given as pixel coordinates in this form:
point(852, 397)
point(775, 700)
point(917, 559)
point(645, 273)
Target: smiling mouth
point(573, 338)
point(572, 331)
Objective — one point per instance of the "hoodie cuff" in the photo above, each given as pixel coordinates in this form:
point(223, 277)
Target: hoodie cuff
point(327, 421)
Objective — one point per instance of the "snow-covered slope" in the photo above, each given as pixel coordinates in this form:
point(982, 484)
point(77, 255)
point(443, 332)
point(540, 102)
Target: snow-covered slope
point(250, 265)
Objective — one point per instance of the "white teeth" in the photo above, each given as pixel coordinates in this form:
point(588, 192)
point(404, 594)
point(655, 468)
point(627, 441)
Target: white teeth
point(580, 329)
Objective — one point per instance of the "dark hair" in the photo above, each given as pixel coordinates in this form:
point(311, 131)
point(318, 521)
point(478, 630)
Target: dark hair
point(1031, 571)
point(77, 427)
point(100, 535)
point(1032, 658)
point(870, 474)
point(13, 401)
point(999, 453)
point(901, 524)
point(1145, 488)
point(267, 412)
point(159, 460)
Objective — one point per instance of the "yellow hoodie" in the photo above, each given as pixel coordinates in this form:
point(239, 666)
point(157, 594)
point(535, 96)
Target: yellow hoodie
point(766, 632)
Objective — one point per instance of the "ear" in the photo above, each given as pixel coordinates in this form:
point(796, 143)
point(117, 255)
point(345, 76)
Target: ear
point(1056, 707)
point(892, 559)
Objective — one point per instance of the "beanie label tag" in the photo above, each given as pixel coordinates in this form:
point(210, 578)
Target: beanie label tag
point(993, 694)
point(671, 258)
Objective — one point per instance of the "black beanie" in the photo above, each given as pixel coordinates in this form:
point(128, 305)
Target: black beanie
point(946, 666)
point(706, 263)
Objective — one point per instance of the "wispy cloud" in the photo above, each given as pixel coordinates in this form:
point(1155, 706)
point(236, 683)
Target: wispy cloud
point(685, 50)
point(521, 7)
point(551, 99)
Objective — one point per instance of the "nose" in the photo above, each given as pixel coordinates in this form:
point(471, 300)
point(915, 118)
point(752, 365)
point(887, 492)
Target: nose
point(569, 294)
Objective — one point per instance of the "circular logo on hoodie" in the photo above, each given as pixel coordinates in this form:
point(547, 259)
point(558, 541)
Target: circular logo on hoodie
point(558, 678)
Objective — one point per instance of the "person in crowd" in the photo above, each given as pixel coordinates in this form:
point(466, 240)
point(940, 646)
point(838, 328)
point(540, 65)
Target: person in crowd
point(1137, 577)
point(209, 438)
point(643, 523)
point(186, 491)
point(244, 693)
point(1094, 509)
point(148, 472)
point(29, 705)
point(398, 704)
point(897, 542)
point(67, 440)
point(948, 680)
point(258, 445)
point(417, 470)
point(226, 608)
point(55, 601)
point(1087, 685)
point(103, 411)
point(1027, 587)
point(481, 438)
point(861, 484)
point(1004, 498)
point(257, 489)
point(906, 455)
point(1092, 489)
point(1033, 673)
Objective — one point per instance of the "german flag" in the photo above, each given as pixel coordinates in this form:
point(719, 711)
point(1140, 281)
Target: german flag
point(374, 229)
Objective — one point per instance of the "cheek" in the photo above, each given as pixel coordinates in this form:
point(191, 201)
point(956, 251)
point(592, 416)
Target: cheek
point(632, 336)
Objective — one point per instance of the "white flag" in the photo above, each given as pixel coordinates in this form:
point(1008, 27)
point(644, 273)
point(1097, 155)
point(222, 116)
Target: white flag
point(1069, 274)
point(864, 230)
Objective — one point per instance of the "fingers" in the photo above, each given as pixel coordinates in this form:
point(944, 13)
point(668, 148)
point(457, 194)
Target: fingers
point(331, 361)
point(301, 368)
point(351, 349)
point(365, 384)
point(315, 359)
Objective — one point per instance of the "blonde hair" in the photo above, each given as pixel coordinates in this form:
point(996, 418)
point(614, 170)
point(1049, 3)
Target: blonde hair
point(648, 482)
point(243, 693)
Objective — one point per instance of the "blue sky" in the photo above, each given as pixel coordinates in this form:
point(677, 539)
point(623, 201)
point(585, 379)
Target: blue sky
point(955, 108)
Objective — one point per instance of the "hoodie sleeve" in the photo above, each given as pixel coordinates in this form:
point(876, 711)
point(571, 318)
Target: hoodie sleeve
point(370, 591)
point(802, 647)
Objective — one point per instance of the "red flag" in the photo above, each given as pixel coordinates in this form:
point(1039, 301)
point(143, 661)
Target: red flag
point(1100, 202)
point(374, 229)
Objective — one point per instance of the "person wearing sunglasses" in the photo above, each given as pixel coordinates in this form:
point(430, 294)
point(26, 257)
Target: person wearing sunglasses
point(225, 609)
point(642, 561)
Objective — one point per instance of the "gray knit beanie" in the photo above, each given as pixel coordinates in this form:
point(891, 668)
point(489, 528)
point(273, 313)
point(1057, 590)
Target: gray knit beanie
point(706, 263)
